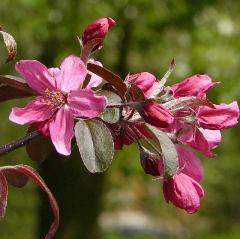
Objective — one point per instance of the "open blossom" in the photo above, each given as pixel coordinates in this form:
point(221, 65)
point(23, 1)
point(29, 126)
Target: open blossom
point(196, 85)
point(59, 99)
point(184, 192)
point(98, 30)
point(223, 116)
point(204, 140)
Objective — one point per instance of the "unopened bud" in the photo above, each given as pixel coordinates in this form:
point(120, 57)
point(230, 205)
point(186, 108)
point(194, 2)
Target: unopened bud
point(97, 30)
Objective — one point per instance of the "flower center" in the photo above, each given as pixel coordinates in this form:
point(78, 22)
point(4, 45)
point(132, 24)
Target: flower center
point(55, 98)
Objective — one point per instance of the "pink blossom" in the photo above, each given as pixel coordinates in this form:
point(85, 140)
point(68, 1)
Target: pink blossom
point(144, 80)
point(201, 139)
point(98, 29)
point(223, 116)
point(189, 163)
point(184, 192)
point(196, 85)
point(59, 99)
point(157, 115)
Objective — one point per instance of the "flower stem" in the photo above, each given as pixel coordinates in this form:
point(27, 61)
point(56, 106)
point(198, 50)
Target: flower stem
point(7, 148)
point(130, 104)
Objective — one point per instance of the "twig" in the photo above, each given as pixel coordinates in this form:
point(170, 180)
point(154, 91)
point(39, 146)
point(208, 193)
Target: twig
point(7, 148)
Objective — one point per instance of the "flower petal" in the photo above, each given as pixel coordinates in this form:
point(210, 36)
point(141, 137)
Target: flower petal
point(190, 163)
point(84, 103)
point(71, 75)
point(35, 111)
point(36, 75)
point(61, 130)
point(95, 79)
point(222, 117)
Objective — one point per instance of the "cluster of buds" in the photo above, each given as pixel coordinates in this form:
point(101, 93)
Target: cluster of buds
point(83, 100)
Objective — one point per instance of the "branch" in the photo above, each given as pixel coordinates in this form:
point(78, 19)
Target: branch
point(7, 148)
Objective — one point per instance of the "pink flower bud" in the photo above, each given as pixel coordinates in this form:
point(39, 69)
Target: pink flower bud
point(149, 163)
point(145, 81)
point(196, 85)
point(98, 29)
point(155, 114)
point(184, 192)
point(222, 117)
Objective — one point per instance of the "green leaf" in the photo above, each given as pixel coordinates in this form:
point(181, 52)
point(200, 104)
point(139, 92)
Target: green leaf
point(111, 115)
point(95, 144)
point(158, 88)
point(168, 149)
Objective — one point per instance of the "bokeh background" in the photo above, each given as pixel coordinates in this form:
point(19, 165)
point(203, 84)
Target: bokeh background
point(122, 203)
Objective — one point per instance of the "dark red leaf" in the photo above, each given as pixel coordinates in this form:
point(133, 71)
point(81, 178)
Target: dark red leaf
point(109, 76)
point(15, 178)
point(10, 93)
point(17, 83)
point(3, 195)
point(39, 148)
point(31, 173)
point(136, 93)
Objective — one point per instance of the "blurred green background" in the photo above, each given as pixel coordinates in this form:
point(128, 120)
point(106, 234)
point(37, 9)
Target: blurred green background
point(203, 36)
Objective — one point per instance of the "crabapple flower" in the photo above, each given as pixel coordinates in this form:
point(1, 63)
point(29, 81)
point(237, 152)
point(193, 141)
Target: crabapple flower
point(221, 117)
point(144, 81)
point(98, 29)
point(189, 163)
point(184, 192)
point(196, 85)
point(59, 99)
point(157, 115)
point(204, 140)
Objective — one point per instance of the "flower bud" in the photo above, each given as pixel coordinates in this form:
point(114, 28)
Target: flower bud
point(184, 192)
point(144, 81)
point(149, 163)
point(156, 115)
point(98, 29)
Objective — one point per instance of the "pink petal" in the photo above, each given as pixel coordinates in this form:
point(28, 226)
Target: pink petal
point(189, 163)
point(36, 75)
point(95, 79)
point(144, 80)
point(84, 103)
point(201, 143)
point(72, 74)
point(53, 71)
point(35, 111)
point(196, 85)
point(61, 130)
point(222, 117)
point(213, 137)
